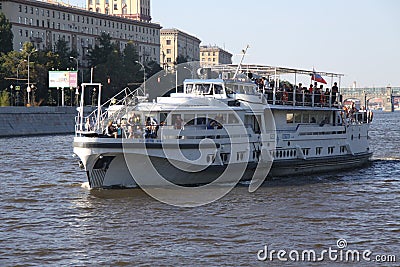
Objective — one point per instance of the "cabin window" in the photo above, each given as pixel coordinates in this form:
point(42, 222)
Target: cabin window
point(306, 118)
point(189, 88)
point(163, 118)
point(210, 158)
point(218, 89)
point(252, 121)
point(189, 118)
point(177, 121)
point(289, 118)
point(225, 157)
point(201, 119)
point(297, 118)
point(203, 89)
point(233, 119)
point(318, 150)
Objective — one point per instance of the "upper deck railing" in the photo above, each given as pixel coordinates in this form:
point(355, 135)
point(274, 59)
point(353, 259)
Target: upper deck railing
point(96, 121)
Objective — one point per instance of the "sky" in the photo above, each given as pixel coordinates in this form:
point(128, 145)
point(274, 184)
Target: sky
point(359, 38)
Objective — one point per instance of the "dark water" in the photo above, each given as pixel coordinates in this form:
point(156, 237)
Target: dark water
point(48, 219)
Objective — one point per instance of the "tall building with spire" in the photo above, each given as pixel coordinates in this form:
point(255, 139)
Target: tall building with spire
point(130, 9)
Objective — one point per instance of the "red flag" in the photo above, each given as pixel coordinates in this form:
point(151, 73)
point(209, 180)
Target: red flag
point(318, 78)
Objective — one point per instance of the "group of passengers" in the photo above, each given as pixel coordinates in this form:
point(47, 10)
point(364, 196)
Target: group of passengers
point(130, 128)
point(286, 93)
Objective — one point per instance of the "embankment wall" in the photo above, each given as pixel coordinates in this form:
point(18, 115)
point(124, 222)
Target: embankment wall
point(27, 121)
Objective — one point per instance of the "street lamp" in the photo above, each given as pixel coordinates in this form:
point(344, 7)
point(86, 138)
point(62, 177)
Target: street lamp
point(28, 89)
point(11, 87)
point(191, 71)
point(144, 77)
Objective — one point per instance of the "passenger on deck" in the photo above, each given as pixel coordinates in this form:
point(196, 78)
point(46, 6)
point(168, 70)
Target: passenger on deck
point(335, 91)
point(327, 96)
point(131, 124)
point(111, 131)
point(311, 89)
point(151, 128)
point(317, 96)
point(178, 123)
point(119, 130)
point(88, 126)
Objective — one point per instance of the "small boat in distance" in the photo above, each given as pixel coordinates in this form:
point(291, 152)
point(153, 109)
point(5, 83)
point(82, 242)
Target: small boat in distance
point(243, 123)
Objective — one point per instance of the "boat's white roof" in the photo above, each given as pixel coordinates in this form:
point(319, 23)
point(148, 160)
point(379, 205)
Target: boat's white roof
point(264, 70)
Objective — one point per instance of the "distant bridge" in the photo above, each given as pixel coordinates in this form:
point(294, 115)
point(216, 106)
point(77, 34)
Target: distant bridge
point(386, 98)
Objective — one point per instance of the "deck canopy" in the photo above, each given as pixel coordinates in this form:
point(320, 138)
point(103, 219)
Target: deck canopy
point(263, 70)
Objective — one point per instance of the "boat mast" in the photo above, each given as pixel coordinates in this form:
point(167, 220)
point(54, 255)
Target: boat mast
point(244, 51)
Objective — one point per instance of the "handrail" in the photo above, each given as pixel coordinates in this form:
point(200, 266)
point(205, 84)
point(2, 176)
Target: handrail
point(96, 123)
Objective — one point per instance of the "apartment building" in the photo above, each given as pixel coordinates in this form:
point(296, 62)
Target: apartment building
point(176, 43)
point(131, 9)
point(213, 55)
point(45, 22)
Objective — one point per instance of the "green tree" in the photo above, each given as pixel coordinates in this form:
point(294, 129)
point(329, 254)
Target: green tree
point(113, 68)
point(181, 59)
point(100, 53)
point(6, 35)
point(4, 99)
point(64, 53)
point(152, 68)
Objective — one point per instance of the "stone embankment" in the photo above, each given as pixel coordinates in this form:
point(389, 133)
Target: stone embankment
point(27, 121)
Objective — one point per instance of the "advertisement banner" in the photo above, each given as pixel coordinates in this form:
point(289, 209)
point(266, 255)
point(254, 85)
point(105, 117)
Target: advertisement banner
point(63, 79)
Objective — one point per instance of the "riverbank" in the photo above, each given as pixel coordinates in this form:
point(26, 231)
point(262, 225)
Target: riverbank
point(28, 121)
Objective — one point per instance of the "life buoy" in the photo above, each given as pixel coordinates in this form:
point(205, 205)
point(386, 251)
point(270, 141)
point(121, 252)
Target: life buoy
point(285, 97)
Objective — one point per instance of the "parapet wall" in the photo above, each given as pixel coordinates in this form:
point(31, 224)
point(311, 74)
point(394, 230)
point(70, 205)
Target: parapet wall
point(24, 121)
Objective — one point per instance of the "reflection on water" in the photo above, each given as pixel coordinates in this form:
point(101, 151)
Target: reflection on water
point(48, 218)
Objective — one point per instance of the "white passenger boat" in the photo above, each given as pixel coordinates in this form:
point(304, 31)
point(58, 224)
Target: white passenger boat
point(224, 129)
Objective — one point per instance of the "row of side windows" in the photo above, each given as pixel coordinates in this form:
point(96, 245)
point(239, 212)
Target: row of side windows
point(87, 20)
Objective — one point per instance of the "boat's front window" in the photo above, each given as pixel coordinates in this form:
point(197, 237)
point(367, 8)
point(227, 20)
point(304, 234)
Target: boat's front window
point(248, 89)
point(202, 89)
point(189, 88)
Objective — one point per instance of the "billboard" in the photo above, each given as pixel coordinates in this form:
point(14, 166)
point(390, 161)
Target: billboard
point(63, 79)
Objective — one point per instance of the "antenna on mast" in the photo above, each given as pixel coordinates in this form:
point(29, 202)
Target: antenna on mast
point(244, 51)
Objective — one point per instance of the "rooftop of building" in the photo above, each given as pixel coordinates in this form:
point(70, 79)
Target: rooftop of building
point(177, 31)
point(65, 7)
point(212, 48)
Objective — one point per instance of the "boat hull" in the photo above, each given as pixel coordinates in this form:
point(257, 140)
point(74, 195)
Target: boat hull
point(113, 171)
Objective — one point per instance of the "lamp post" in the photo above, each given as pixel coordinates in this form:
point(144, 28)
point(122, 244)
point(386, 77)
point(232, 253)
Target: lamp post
point(28, 89)
point(91, 73)
point(11, 87)
point(144, 77)
point(191, 71)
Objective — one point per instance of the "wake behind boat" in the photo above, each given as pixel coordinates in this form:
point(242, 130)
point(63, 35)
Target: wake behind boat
point(245, 124)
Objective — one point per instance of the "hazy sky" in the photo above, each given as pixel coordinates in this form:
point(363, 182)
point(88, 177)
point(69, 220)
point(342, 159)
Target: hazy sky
point(359, 38)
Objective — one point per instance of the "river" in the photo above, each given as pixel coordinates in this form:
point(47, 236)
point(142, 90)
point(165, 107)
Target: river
point(48, 218)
